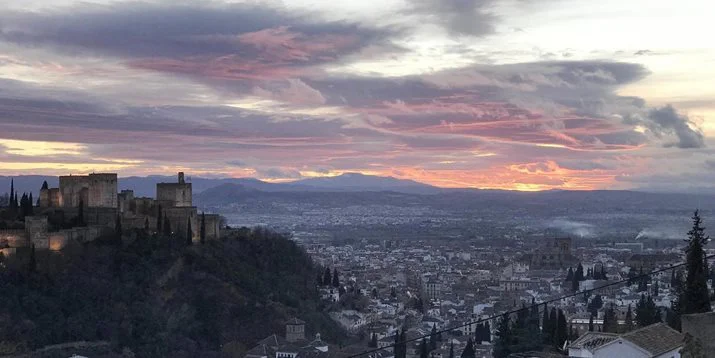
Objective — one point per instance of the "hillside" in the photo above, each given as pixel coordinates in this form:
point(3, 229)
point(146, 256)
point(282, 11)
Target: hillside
point(159, 299)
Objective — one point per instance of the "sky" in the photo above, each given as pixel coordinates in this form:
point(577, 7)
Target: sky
point(500, 94)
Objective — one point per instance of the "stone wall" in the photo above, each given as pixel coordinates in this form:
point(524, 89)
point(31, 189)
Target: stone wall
point(71, 187)
point(174, 194)
point(179, 220)
point(102, 190)
point(36, 227)
point(213, 223)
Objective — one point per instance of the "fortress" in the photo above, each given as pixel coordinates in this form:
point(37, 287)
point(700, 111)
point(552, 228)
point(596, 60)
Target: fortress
point(85, 207)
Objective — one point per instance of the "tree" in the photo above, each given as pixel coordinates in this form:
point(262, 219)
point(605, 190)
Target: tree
point(553, 325)
point(569, 275)
point(424, 352)
point(646, 311)
point(451, 350)
point(373, 341)
point(655, 289)
point(579, 273)
point(397, 346)
point(30, 206)
point(146, 225)
point(167, 226)
point(80, 213)
point(189, 233)
point(202, 229)
point(595, 304)
point(32, 266)
point(546, 325)
point(336, 278)
point(327, 278)
point(610, 321)
point(561, 330)
point(590, 323)
point(575, 284)
point(503, 338)
point(629, 319)
point(433, 338)
point(468, 351)
point(488, 330)
point(118, 230)
point(159, 217)
point(695, 297)
point(403, 344)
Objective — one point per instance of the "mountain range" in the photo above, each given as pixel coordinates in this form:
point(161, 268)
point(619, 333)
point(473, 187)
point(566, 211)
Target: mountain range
point(146, 186)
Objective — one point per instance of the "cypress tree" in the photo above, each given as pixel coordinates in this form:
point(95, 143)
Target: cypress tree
point(396, 348)
point(433, 338)
point(695, 297)
point(336, 278)
point(488, 329)
point(32, 266)
point(579, 272)
point(167, 227)
point(118, 230)
point(629, 319)
point(159, 217)
point(503, 338)
point(202, 229)
point(545, 326)
point(590, 323)
point(569, 275)
point(189, 232)
point(468, 351)
point(575, 284)
point(327, 278)
point(553, 325)
point(403, 344)
point(30, 205)
point(423, 348)
point(146, 225)
point(373, 341)
point(451, 350)
point(12, 193)
point(561, 331)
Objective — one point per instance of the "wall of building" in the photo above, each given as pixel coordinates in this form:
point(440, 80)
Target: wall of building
point(71, 187)
point(14, 238)
point(36, 227)
point(102, 190)
point(179, 220)
point(213, 226)
point(174, 194)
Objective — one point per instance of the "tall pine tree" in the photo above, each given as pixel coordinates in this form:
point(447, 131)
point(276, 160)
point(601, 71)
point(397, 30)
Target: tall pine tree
point(189, 233)
point(695, 297)
point(468, 351)
point(503, 338)
point(202, 229)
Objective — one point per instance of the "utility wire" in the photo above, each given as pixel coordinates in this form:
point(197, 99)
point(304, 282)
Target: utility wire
point(490, 318)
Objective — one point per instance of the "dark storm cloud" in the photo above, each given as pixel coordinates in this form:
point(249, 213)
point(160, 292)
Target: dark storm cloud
point(666, 121)
point(459, 17)
point(138, 30)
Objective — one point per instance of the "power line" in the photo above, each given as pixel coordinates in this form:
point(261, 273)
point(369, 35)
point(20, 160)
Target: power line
point(508, 313)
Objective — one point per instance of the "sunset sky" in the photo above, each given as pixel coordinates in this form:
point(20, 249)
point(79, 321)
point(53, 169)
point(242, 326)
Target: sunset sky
point(509, 94)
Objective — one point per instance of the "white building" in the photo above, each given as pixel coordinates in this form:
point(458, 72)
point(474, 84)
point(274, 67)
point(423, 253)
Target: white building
point(655, 341)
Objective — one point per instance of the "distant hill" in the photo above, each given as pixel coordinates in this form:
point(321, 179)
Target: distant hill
point(159, 298)
point(362, 182)
point(146, 186)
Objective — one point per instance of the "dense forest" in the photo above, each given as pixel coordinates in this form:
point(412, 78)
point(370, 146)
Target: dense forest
point(155, 296)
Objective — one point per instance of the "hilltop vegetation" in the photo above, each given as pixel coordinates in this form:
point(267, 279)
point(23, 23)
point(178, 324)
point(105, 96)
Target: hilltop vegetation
point(158, 298)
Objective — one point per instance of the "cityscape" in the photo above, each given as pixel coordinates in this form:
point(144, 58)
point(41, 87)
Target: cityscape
point(357, 179)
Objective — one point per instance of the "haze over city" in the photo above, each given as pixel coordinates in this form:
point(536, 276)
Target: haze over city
point(525, 95)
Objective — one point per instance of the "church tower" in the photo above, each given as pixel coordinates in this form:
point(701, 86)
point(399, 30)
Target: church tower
point(295, 330)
